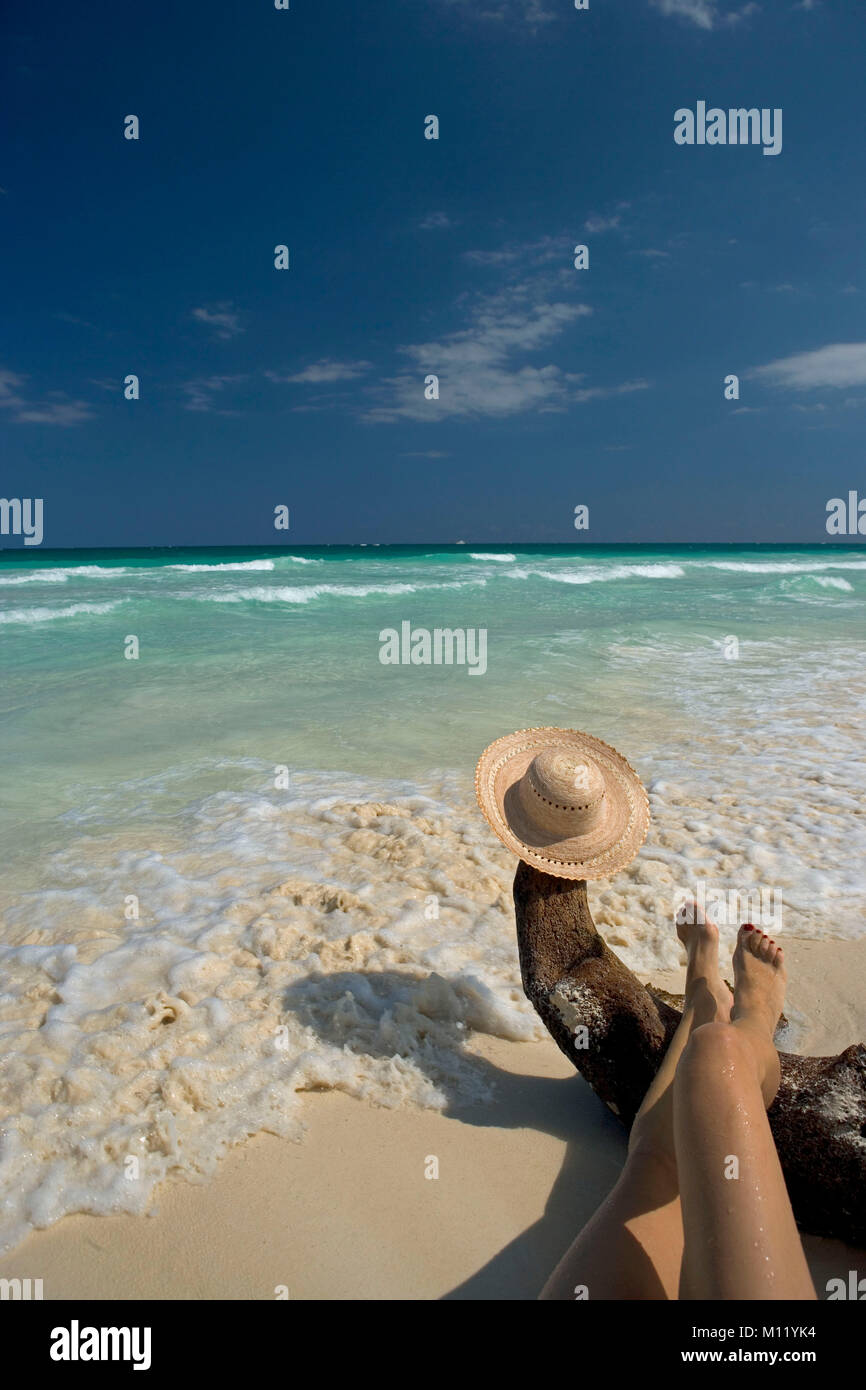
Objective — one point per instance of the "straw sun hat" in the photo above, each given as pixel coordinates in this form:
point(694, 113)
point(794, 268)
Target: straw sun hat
point(563, 801)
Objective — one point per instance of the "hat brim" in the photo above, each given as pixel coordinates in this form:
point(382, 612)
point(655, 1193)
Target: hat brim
point(611, 844)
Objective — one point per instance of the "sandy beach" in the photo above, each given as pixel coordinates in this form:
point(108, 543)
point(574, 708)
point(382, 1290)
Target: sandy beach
point(349, 1214)
point(258, 945)
point(432, 572)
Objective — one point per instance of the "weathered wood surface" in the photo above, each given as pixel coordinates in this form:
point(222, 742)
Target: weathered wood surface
point(572, 978)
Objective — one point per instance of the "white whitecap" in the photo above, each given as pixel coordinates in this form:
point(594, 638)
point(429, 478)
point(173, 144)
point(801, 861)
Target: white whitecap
point(600, 574)
point(304, 593)
point(832, 581)
point(49, 615)
point(779, 566)
point(62, 575)
point(231, 565)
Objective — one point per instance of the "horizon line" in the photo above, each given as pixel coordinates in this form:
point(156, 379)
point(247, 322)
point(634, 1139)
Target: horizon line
point(846, 542)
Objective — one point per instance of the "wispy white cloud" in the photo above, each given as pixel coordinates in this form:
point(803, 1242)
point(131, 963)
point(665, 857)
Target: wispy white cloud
point(535, 12)
point(785, 288)
point(526, 254)
point(480, 366)
point(700, 12)
point(836, 365)
point(326, 370)
point(625, 388)
point(222, 318)
point(734, 17)
point(57, 412)
point(201, 393)
point(597, 223)
point(706, 14)
point(487, 366)
point(436, 221)
point(10, 382)
point(54, 408)
point(72, 318)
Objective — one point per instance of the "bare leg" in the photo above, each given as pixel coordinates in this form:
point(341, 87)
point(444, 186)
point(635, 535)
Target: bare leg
point(741, 1241)
point(632, 1247)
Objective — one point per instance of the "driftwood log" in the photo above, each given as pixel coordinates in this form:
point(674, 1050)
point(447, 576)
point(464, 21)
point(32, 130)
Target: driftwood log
point(573, 979)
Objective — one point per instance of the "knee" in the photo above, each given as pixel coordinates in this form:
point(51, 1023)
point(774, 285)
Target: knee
point(713, 1044)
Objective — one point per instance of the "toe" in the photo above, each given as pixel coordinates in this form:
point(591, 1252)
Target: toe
point(688, 913)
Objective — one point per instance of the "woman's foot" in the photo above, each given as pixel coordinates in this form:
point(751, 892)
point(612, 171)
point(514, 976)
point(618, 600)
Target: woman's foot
point(706, 991)
point(707, 1000)
point(759, 993)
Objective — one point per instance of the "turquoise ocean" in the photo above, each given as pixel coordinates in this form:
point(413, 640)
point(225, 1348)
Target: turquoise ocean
point(248, 863)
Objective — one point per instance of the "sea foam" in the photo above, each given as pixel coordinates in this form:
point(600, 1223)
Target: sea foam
point(29, 616)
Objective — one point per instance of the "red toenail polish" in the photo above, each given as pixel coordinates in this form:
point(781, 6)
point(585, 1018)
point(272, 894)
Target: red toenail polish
point(772, 942)
point(747, 926)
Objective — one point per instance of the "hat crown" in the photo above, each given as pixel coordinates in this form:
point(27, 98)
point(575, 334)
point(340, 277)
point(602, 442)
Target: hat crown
point(565, 790)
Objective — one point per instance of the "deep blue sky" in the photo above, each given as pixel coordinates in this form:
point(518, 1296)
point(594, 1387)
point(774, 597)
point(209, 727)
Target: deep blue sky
point(411, 256)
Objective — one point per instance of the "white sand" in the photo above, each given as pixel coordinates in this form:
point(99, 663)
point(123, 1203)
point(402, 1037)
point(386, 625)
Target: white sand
point(349, 1214)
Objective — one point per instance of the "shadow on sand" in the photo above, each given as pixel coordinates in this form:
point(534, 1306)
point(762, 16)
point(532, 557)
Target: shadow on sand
point(566, 1109)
